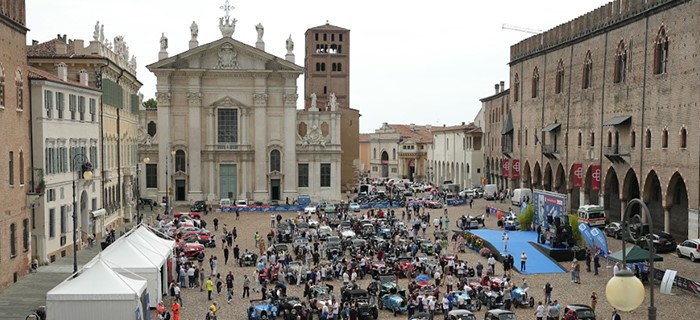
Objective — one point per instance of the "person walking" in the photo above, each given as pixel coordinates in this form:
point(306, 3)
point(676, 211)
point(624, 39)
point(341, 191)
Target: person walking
point(596, 264)
point(226, 251)
point(523, 260)
point(176, 310)
point(505, 241)
point(547, 293)
point(229, 287)
point(246, 286)
point(216, 224)
point(236, 253)
point(539, 312)
point(210, 287)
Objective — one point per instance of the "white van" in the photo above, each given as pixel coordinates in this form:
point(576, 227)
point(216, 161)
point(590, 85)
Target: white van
point(520, 195)
point(489, 191)
point(224, 202)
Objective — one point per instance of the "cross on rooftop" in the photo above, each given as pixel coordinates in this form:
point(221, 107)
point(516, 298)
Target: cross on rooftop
point(227, 7)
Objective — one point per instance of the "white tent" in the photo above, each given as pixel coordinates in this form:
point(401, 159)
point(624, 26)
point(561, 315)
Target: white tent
point(126, 258)
point(146, 240)
point(149, 234)
point(97, 293)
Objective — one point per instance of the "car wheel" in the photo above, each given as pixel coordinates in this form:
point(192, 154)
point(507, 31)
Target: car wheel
point(375, 314)
point(396, 311)
point(532, 302)
point(692, 258)
point(678, 253)
point(380, 304)
point(478, 305)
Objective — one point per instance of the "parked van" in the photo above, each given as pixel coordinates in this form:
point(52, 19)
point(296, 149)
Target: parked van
point(594, 215)
point(224, 202)
point(489, 191)
point(520, 195)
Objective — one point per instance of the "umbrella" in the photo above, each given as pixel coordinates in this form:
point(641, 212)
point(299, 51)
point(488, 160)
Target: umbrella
point(634, 254)
point(422, 277)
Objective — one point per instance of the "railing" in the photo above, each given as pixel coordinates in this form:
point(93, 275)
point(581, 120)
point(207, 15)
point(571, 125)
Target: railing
point(228, 147)
point(549, 148)
point(616, 150)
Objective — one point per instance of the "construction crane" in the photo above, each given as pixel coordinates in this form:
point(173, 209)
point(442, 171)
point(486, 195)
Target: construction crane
point(516, 28)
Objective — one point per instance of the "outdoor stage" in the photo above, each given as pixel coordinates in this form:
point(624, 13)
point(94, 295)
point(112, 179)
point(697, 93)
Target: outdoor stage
point(538, 258)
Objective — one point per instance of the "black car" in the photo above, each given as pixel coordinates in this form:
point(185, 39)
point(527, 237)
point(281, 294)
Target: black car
point(581, 311)
point(198, 206)
point(662, 241)
point(613, 229)
point(248, 259)
point(292, 305)
point(334, 247)
point(498, 314)
point(384, 284)
point(366, 303)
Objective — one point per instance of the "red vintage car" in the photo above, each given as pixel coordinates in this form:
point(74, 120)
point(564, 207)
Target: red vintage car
point(193, 215)
point(377, 267)
point(406, 266)
point(190, 249)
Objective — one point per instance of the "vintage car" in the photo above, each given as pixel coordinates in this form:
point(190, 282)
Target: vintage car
point(354, 207)
point(329, 208)
point(426, 246)
point(295, 269)
point(384, 232)
point(466, 298)
point(432, 204)
point(376, 268)
point(191, 215)
point(291, 305)
point(284, 233)
point(334, 247)
point(302, 227)
point(498, 314)
point(394, 302)
point(492, 299)
point(581, 311)
point(198, 206)
point(366, 303)
point(190, 249)
point(469, 222)
point(384, 284)
point(313, 223)
point(358, 245)
point(262, 309)
point(324, 232)
point(320, 295)
point(405, 266)
point(460, 314)
point(511, 223)
point(300, 242)
point(248, 259)
point(519, 298)
point(332, 219)
point(280, 249)
point(347, 235)
point(310, 209)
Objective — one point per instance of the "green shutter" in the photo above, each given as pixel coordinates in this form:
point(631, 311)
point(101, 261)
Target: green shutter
point(134, 103)
point(112, 94)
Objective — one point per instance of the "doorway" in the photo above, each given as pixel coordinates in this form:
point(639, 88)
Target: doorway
point(180, 190)
point(274, 189)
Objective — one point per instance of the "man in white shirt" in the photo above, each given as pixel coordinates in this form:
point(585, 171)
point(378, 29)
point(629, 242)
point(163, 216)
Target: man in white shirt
point(539, 313)
point(353, 276)
point(346, 278)
point(437, 276)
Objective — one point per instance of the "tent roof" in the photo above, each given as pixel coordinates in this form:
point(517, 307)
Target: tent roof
point(125, 254)
point(634, 254)
point(97, 283)
point(148, 234)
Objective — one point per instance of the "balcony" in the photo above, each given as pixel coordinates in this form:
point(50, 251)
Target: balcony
point(507, 150)
point(228, 147)
point(617, 153)
point(550, 151)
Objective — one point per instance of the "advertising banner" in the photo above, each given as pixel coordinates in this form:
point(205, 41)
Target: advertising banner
point(516, 169)
point(595, 177)
point(586, 234)
point(548, 204)
point(600, 240)
point(505, 167)
point(456, 202)
point(578, 175)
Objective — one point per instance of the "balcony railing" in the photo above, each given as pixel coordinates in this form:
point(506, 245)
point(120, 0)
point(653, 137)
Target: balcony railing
point(228, 147)
point(549, 149)
point(616, 150)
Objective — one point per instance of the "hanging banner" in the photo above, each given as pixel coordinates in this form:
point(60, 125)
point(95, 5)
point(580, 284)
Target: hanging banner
point(595, 177)
point(505, 167)
point(516, 169)
point(578, 175)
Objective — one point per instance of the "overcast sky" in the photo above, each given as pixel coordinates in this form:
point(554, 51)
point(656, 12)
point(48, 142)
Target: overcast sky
point(423, 62)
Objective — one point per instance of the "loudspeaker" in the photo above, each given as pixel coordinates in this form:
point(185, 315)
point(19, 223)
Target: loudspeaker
point(550, 220)
point(557, 222)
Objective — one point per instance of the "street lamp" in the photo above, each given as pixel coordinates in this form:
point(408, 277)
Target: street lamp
point(625, 291)
point(138, 190)
point(85, 173)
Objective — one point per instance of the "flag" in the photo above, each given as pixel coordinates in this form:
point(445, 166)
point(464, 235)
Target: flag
point(505, 167)
point(536, 138)
point(516, 169)
point(595, 177)
point(578, 175)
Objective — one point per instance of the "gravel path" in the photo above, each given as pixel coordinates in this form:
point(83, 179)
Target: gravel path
point(669, 307)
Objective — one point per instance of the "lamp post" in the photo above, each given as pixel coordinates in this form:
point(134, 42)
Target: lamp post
point(625, 291)
point(85, 168)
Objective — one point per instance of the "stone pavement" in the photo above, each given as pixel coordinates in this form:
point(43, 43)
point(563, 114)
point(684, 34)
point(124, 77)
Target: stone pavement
point(22, 298)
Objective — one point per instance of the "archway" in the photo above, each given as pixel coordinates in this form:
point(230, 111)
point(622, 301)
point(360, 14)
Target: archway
point(630, 190)
point(547, 181)
point(653, 200)
point(611, 196)
point(560, 180)
point(537, 177)
point(525, 176)
point(575, 196)
point(590, 195)
point(677, 202)
point(385, 164)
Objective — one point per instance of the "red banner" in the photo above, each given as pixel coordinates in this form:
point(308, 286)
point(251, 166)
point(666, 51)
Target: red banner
point(505, 167)
point(578, 175)
point(595, 177)
point(516, 169)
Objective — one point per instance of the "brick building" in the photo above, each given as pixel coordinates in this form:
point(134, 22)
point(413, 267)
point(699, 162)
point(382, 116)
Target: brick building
point(16, 150)
point(601, 108)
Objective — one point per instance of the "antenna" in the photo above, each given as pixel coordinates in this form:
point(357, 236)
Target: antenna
point(516, 28)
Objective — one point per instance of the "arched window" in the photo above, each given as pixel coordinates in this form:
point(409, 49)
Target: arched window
point(535, 82)
point(19, 83)
point(609, 139)
point(318, 66)
point(633, 139)
point(21, 168)
point(664, 138)
point(374, 153)
point(580, 137)
point(393, 154)
point(588, 71)
point(323, 66)
point(647, 139)
point(661, 52)
point(592, 142)
point(275, 160)
point(620, 63)
point(180, 162)
point(151, 130)
point(559, 83)
point(2, 87)
point(340, 67)
point(516, 88)
point(684, 138)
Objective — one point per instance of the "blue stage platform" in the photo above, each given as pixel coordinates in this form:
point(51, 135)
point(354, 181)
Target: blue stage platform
point(519, 241)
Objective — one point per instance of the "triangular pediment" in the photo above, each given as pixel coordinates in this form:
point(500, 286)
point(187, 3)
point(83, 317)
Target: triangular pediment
point(227, 101)
point(225, 54)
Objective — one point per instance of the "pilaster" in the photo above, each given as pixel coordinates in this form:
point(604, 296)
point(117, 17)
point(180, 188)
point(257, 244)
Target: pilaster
point(260, 192)
point(194, 101)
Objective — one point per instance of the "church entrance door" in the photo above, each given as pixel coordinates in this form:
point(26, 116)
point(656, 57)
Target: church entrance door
point(180, 190)
point(274, 189)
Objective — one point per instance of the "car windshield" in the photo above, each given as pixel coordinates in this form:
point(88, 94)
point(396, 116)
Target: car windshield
point(585, 314)
point(596, 215)
point(507, 316)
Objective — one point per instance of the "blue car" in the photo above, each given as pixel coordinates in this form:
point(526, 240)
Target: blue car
point(262, 309)
point(469, 304)
point(395, 302)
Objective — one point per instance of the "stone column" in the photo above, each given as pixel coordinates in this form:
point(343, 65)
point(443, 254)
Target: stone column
point(667, 219)
point(260, 191)
point(289, 165)
point(623, 207)
point(569, 195)
point(583, 196)
point(244, 127)
point(164, 141)
point(194, 100)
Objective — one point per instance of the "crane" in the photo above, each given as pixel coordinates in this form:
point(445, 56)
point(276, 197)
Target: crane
point(516, 28)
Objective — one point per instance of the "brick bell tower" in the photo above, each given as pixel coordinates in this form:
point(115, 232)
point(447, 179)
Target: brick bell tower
point(327, 63)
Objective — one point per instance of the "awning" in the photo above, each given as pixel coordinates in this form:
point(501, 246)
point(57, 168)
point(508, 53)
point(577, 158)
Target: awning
point(508, 125)
point(551, 127)
point(617, 120)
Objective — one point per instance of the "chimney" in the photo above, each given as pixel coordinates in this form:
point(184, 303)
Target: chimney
point(62, 71)
point(496, 87)
point(428, 127)
point(462, 122)
point(503, 85)
point(78, 45)
point(35, 42)
point(61, 47)
point(412, 126)
point(84, 77)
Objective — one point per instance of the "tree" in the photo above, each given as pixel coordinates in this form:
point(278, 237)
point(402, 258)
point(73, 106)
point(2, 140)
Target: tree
point(573, 222)
point(526, 217)
point(150, 104)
